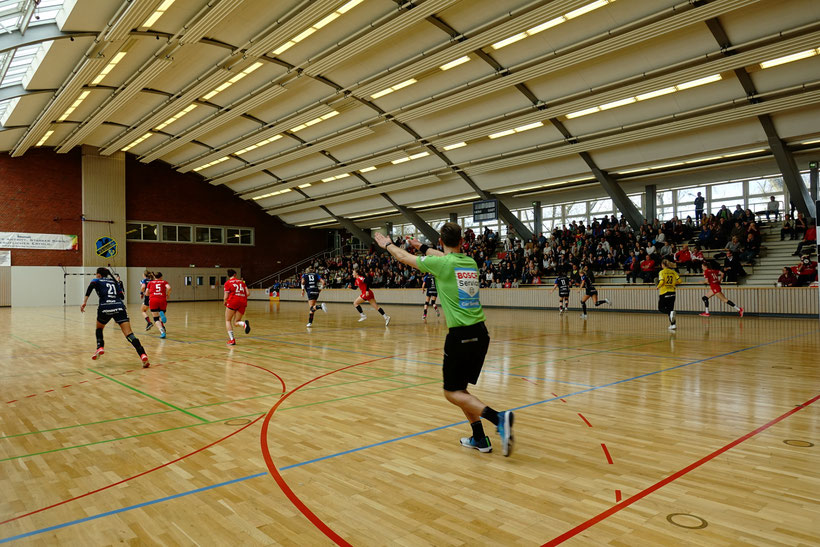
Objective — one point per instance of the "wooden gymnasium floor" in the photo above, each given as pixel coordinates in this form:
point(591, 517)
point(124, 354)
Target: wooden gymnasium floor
point(687, 430)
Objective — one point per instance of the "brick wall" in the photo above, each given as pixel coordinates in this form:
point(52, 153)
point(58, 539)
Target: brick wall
point(42, 186)
point(40, 192)
point(154, 192)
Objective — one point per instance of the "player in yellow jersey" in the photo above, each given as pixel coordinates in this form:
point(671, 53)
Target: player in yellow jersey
point(668, 280)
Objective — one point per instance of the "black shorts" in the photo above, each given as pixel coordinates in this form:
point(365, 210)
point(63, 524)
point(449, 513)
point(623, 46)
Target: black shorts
point(592, 292)
point(666, 302)
point(464, 352)
point(563, 294)
point(117, 312)
point(145, 301)
point(432, 293)
point(313, 295)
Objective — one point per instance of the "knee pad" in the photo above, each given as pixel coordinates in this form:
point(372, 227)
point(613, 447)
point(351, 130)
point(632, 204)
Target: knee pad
point(705, 300)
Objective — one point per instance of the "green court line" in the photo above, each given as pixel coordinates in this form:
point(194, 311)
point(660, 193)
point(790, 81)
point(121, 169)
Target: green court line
point(149, 395)
point(26, 341)
point(220, 420)
point(90, 423)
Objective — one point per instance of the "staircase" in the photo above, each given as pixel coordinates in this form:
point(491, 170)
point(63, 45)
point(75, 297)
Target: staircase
point(775, 255)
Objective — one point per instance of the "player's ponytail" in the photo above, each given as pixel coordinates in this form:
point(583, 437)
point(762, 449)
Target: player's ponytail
point(103, 272)
point(231, 273)
point(667, 264)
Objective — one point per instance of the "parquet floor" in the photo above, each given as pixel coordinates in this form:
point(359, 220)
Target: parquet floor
point(626, 434)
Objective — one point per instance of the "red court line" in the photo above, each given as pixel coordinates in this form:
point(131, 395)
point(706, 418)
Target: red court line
point(678, 474)
point(274, 471)
point(606, 453)
point(617, 495)
point(166, 464)
point(585, 420)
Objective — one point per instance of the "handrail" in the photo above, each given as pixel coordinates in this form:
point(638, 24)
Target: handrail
point(278, 275)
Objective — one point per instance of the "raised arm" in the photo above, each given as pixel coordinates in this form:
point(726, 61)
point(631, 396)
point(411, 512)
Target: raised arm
point(396, 252)
point(430, 251)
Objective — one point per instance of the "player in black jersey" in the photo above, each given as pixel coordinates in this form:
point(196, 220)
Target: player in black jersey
point(111, 307)
point(428, 285)
point(148, 277)
point(562, 283)
point(312, 284)
point(588, 284)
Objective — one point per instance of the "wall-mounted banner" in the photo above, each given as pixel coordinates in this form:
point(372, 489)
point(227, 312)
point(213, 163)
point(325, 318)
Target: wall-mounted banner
point(5, 258)
point(54, 242)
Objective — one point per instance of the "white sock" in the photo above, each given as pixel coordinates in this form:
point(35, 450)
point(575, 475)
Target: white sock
point(230, 334)
point(241, 324)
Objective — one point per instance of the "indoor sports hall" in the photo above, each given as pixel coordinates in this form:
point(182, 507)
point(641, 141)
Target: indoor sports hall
point(251, 253)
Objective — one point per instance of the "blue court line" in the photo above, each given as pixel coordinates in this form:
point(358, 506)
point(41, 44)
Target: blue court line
point(388, 441)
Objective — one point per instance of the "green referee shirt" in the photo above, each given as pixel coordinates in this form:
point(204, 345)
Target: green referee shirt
point(457, 282)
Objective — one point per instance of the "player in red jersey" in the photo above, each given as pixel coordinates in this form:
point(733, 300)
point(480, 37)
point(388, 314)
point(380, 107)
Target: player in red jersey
point(713, 275)
point(366, 296)
point(235, 300)
point(158, 292)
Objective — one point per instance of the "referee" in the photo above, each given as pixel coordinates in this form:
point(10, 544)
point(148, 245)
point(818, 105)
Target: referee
point(467, 341)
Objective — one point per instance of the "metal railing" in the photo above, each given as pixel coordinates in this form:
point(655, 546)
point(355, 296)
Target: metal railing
point(293, 269)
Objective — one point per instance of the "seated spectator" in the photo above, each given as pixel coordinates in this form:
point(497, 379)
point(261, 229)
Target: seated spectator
point(806, 272)
point(666, 251)
point(738, 212)
point(773, 207)
point(800, 226)
point(809, 238)
point(648, 269)
point(632, 267)
point(748, 216)
point(734, 245)
point(683, 258)
point(732, 270)
point(705, 236)
point(697, 258)
point(724, 213)
point(787, 228)
point(787, 278)
point(751, 248)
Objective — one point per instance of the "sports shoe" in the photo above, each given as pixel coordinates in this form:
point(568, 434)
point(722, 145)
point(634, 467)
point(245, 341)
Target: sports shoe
point(362, 317)
point(505, 425)
point(231, 342)
point(162, 317)
point(309, 325)
point(162, 333)
point(145, 363)
point(386, 320)
point(247, 326)
point(705, 314)
point(740, 311)
point(470, 442)
point(97, 354)
point(424, 318)
point(583, 316)
point(324, 307)
point(148, 327)
point(608, 302)
point(673, 327)
point(437, 313)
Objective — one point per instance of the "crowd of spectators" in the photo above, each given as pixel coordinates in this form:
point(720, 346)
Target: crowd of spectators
point(607, 245)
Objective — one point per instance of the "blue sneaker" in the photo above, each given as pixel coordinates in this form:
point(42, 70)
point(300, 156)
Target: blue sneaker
point(162, 334)
point(470, 442)
point(505, 425)
point(162, 317)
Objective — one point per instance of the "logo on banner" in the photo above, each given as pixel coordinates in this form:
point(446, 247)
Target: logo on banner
point(106, 247)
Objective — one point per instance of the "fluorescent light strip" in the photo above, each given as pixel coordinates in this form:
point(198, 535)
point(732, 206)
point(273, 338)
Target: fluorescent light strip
point(790, 58)
point(209, 164)
point(154, 17)
point(551, 23)
point(314, 121)
point(412, 157)
point(316, 26)
point(451, 64)
point(646, 96)
point(174, 118)
point(257, 145)
point(44, 138)
point(285, 191)
point(108, 68)
point(815, 141)
point(136, 142)
point(232, 81)
point(74, 105)
point(433, 204)
point(367, 169)
point(516, 130)
point(396, 87)
point(456, 145)
point(697, 160)
point(337, 177)
point(306, 185)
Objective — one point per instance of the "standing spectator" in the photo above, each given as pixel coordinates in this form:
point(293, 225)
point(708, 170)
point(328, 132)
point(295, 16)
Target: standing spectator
point(787, 278)
point(809, 238)
point(738, 212)
point(724, 213)
point(699, 202)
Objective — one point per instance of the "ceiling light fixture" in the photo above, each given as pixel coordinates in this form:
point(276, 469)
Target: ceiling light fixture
point(108, 68)
point(211, 163)
point(175, 117)
point(74, 105)
point(314, 121)
point(520, 129)
point(456, 145)
point(136, 142)
point(396, 87)
point(257, 145)
point(367, 169)
point(44, 138)
point(790, 58)
point(316, 26)
point(451, 64)
point(232, 81)
point(154, 17)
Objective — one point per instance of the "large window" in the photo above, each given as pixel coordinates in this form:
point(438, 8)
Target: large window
point(141, 231)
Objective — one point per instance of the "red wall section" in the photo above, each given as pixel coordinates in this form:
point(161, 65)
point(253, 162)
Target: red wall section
point(41, 192)
point(155, 192)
